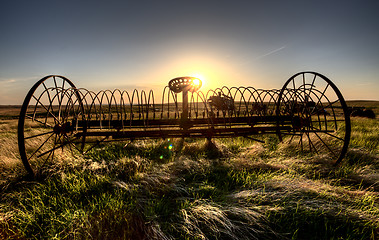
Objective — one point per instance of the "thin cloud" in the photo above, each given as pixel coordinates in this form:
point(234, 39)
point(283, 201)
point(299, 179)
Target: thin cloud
point(262, 56)
point(270, 53)
point(7, 80)
point(364, 83)
point(13, 80)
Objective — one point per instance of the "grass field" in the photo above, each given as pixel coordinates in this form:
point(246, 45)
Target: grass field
point(170, 189)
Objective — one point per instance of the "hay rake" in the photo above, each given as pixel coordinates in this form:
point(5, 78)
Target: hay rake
point(308, 112)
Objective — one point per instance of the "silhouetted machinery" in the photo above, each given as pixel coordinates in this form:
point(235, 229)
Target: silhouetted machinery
point(308, 112)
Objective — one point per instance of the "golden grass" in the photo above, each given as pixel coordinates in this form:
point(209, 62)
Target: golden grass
point(9, 154)
point(230, 189)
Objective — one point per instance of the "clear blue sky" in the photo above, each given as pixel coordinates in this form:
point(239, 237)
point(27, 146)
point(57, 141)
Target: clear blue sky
point(143, 44)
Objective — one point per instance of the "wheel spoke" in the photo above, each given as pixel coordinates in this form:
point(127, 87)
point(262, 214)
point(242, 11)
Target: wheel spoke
point(305, 95)
point(55, 148)
point(41, 146)
point(62, 95)
point(34, 119)
point(59, 98)
point(51, 153)
point(326, 145)
point(311, 144)
point(56, 90)
point(320, 131)
point(322, 94)
point(39, 135)
point(331, 103)
point(71, 142)
point(46, 109)
point(312, 84)
point(50, 100)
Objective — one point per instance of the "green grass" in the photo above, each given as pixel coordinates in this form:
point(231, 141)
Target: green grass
point(170, 189)
point(365, 134)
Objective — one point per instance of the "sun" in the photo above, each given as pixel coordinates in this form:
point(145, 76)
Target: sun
point(199, 79)
point(198, 76)
point(196, 82)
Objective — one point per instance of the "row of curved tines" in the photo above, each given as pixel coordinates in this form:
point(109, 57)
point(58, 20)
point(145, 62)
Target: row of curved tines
point(139, 107)
point(107, 106)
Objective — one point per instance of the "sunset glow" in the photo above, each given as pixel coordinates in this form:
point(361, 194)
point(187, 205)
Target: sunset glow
point(128, 46)
point(196, 82)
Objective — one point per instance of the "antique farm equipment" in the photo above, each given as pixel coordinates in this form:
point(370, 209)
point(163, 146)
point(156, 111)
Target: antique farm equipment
point(308, 112)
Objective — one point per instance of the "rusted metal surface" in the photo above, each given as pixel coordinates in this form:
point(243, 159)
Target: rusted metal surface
point(309, 109)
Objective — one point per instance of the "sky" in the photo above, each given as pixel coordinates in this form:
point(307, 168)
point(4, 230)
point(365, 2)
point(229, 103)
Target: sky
point(143, 44)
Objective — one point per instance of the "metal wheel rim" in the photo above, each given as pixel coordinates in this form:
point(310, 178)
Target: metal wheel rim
point(309, 90)
point(62, 91)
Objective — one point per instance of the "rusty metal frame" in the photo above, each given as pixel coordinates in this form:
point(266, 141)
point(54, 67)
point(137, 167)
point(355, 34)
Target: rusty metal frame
point(55, 114)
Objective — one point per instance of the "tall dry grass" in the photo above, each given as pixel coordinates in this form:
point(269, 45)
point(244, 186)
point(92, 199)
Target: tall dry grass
point(170, 189)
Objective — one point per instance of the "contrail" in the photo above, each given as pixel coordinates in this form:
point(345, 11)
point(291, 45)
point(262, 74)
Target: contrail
point(272, 52)
point(7, 80)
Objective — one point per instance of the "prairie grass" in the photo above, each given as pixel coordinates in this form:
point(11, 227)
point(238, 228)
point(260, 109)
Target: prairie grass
point(173, 189)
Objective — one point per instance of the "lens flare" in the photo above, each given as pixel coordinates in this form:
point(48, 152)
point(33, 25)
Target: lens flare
point(196, 82)
point(199, 76)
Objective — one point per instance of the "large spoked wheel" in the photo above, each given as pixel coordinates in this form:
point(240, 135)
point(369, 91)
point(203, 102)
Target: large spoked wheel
point(320, 121)
point(48, 122)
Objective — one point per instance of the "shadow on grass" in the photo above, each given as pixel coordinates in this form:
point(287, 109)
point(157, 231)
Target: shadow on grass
point(132, 192)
